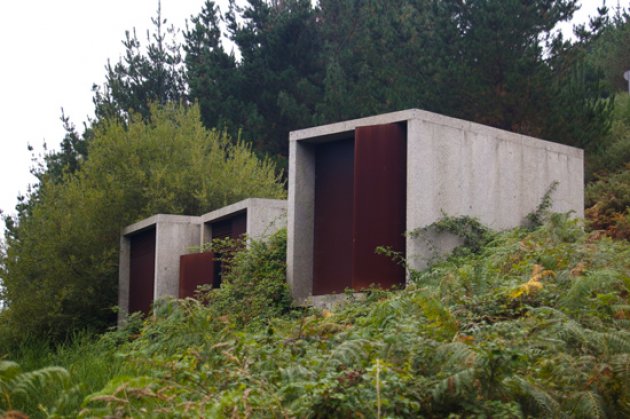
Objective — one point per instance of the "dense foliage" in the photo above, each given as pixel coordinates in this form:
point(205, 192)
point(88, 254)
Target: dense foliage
point(253, 285)
point(61, 264)
point(608, 195)
point(534, 324)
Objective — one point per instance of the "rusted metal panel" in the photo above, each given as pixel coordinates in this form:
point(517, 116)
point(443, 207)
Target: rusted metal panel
point(332, 241)
point(194, 270)
point(141, 271)
point(380, 173)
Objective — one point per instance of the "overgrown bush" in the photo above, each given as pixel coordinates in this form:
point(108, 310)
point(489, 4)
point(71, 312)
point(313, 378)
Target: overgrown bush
point(536, 324)
point(608, 202)
point(254, 283)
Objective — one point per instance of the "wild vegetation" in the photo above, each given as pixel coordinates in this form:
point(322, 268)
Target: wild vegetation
point(535, 323)
point(520, 323)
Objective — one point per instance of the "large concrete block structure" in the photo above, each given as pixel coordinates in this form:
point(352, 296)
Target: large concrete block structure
point(359, 184)
point(160, 255)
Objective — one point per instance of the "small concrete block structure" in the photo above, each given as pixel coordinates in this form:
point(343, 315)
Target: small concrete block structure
point(257, 218)
point(149, 259)
point(359, 184)
point(152, 250)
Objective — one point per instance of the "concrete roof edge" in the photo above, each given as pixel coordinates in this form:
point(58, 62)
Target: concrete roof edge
point(160, 218)
point(350, 125)
point(241, 206)
point(435, 118)
point(478, 128)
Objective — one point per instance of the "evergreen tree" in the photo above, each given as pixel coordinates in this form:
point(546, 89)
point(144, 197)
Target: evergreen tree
point(143, 77)
point(212, 73)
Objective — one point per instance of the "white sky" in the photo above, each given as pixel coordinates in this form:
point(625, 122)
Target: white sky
point(52, 53)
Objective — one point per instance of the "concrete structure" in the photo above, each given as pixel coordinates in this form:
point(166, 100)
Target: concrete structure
point(452, 166)
point(151, 249)
point(158, 241)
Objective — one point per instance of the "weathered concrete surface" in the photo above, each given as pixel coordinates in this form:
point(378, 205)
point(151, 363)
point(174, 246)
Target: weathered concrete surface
point(301, 216)
point(175, 236)
point(453, 166)
point(264, 217)
point(462, 168)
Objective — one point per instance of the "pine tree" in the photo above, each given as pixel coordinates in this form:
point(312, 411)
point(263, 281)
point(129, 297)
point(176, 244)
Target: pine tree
point(154, 75)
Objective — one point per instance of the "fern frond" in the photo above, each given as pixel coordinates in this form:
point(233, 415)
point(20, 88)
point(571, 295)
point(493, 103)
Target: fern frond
point(582, 288)
point(616, 342)
point(544, 403)
point(350, 351)
point(28, 385)
point(8, 370)
point(456, 354)
point(456, 385)
point(621, 364)
point(587, 404)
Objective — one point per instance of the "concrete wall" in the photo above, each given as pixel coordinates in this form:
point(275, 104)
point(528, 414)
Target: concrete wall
point(175, 236)
point(172, 241)
point(453, 166)
point(463, 168)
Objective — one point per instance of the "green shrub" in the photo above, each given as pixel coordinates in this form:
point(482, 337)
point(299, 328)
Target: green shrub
point(608, 202)
point(254, 283)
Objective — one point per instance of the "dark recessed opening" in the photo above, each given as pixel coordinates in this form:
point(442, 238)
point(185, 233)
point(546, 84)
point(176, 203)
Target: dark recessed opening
point(141, 270)
point(332, 235)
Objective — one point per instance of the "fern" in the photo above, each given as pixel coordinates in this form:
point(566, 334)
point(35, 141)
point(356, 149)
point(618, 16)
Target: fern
point(543, 404)
point(580, 294)
point(17, 388)
point(457, 385)
point(586, 404)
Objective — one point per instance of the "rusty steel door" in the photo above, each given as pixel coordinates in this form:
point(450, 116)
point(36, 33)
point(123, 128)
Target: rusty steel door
point(141, 271)
point(380, 184)
point(194, 270)
point(332, 235)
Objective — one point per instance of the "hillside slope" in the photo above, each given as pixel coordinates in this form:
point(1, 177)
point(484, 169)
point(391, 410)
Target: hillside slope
point(537, 323)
